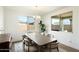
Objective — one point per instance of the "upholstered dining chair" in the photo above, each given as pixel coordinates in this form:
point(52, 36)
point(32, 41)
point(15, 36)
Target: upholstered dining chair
point(28, 44)
point(53, 45)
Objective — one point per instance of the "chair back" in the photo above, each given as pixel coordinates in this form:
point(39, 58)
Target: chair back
point(27, 40)
point(54, 41)
point(49, 35)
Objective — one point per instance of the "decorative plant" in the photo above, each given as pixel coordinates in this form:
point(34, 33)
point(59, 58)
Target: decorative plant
point(42, 27)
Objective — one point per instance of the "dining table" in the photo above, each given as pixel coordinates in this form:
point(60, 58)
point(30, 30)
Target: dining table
point(5, 42)
point(40, 39)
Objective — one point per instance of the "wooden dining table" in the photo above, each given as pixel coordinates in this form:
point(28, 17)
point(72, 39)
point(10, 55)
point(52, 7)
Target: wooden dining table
point(5, 42)
point(40, 39)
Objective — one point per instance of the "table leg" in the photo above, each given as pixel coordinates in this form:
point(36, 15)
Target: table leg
point(39, 48)
point(50, 47)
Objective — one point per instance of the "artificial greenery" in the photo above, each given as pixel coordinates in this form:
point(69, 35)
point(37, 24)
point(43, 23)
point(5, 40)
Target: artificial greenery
point(42, 27)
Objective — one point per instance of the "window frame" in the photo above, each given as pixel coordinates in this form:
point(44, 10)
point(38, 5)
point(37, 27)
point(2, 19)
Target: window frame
point(62, 28)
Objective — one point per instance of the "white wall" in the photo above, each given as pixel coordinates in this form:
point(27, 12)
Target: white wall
point(69, 39)
point(1, 20)
point(11, 24)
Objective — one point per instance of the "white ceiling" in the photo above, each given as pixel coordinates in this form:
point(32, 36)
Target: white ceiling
point(37, 10)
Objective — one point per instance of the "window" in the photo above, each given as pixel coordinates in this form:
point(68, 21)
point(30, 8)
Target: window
point(22, 19)
point(55, 23)
point(26, 20)
point(62, 22)
point(26, 23)
point(66, 21)
point(67, 24)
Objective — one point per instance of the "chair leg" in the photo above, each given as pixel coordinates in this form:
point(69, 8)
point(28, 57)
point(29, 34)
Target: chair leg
point(23, 47)
point(28, 47)
point(57, 49)
point(39, 48)
point(50, 47)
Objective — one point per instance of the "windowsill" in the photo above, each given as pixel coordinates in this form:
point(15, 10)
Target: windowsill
point(62, 32)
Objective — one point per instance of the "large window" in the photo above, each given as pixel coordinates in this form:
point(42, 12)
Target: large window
point(67, 25)
point(26, 23)
point(62, 22)
point(55, 23)
point(26, 20)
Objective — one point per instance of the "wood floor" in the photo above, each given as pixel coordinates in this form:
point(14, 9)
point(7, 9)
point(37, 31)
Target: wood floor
point(18, 47)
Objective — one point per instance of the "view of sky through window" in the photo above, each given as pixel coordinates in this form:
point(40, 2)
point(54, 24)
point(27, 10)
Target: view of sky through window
point(27, 19)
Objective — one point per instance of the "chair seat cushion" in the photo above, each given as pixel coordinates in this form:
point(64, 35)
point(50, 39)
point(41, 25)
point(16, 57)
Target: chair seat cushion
point(31, 48)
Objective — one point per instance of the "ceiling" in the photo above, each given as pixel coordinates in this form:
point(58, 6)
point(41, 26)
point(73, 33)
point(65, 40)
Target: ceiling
point(37, 10)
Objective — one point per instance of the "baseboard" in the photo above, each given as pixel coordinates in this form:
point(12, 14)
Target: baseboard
point(68, 47)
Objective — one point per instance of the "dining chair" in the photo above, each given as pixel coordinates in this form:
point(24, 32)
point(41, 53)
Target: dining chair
point(48, 35)
point(27, 44)
point(50, 46)
point(53, 45)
